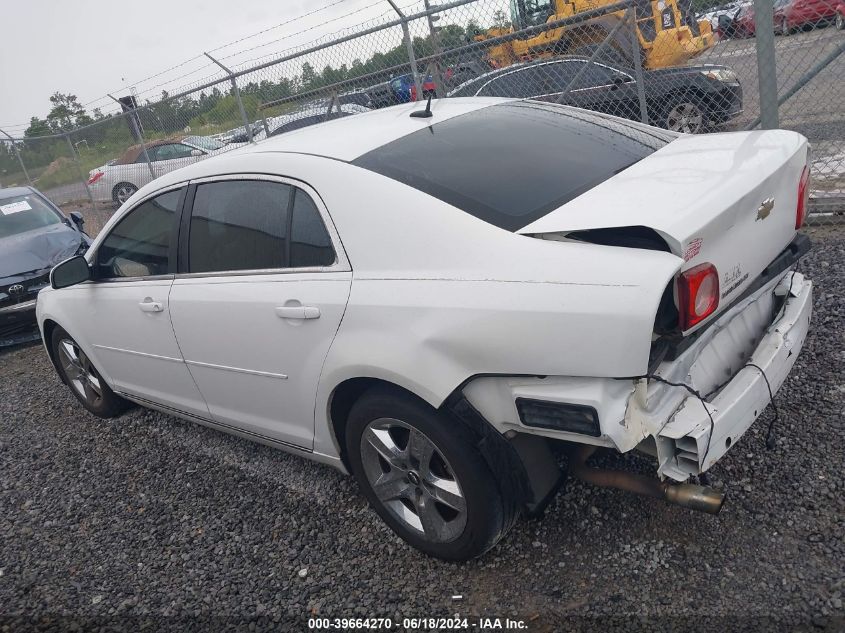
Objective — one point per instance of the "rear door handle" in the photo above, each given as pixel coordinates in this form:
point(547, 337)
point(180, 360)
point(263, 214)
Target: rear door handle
point(298, 312)
point(148, 305)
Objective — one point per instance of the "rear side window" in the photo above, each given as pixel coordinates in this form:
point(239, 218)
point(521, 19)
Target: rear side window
point(255, 225)
point(310, 244)
point(513, 163)
point(139, 245)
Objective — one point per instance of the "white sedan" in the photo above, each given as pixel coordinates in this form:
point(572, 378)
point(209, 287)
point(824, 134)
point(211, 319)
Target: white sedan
point(117, 180)
point(433, 303)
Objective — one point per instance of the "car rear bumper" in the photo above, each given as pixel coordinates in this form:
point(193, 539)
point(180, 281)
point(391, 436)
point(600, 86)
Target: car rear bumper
point(690, 443)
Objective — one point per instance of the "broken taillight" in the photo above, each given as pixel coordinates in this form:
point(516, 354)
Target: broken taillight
point(698, 294)
point(803, 198)
point(94, 177)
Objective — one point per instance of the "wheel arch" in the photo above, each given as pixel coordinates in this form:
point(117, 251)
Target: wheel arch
point(344, 396)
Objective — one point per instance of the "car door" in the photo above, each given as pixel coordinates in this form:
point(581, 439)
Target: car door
point(598, 87)
point(172, 156)
point(261, 290)
point(124, 311)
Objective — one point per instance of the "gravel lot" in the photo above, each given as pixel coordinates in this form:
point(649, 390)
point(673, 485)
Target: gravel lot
point(150, 523)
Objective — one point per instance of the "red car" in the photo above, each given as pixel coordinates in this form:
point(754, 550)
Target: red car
point(791, 15)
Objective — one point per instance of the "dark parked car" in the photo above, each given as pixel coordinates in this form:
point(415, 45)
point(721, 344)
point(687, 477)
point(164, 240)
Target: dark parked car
point(34, 237)
point(683, 99)
point(381, 95)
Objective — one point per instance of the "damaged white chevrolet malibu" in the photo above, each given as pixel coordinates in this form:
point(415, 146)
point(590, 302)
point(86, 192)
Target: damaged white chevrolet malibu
point(433, 302)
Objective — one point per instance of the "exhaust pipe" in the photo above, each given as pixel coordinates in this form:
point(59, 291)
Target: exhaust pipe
point(692, 496)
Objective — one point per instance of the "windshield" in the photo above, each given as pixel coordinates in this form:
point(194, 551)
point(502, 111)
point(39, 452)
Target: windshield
point(22, 213)
point(513, 163)
point(525, 13)
point(203, 142)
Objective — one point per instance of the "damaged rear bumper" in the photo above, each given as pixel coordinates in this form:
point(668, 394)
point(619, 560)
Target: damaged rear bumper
point(692, 441)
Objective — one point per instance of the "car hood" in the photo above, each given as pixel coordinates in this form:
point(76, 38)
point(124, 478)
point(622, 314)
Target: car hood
point(38, 249)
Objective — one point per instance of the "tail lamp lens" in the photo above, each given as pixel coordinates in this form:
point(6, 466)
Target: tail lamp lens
point(803, 198)
point(95, 177)
point(698, 294)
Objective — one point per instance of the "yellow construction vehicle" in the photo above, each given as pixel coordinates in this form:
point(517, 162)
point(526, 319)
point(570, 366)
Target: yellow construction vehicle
point(667, 35)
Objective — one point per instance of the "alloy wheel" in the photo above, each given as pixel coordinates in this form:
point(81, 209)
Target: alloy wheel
point(124, 192)
point(413, 480)
point(784, 27)
point(840, 21)
point(685, 117)
point(79, 371)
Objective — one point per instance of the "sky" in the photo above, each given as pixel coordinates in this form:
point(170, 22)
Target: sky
point(90, 47)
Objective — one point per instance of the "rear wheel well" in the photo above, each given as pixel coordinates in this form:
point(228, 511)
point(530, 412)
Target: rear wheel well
point(345, 395)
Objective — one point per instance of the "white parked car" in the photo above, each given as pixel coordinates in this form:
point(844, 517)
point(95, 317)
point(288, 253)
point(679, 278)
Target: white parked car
point(312, 115)
point(117, 180)
point(434, 303)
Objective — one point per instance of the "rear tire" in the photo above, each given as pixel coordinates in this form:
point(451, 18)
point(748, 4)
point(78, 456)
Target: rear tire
point(422, 473)
point(122, 191)
point(684, 115)
point(83, 379)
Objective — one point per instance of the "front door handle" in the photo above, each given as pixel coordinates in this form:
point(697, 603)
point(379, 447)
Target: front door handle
point(148, 305)
point(298, 312)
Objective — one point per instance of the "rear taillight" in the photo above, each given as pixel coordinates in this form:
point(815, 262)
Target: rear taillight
point(803, 198)
point(698, 294)
point(95, 177)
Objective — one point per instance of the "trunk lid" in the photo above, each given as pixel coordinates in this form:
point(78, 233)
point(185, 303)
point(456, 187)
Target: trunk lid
point(727, 199)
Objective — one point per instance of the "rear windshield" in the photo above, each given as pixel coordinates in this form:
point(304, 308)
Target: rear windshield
point(512, 163)
point(19, 214)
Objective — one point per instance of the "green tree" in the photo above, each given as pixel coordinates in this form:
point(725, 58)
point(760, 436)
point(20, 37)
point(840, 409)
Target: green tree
point(37, 127)
point(65, 112)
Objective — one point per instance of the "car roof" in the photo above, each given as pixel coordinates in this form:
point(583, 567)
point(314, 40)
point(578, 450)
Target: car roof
point(348, 138)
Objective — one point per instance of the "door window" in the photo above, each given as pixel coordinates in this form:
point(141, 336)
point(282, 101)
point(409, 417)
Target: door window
point(521, 84)
point(170, 151)
point(139, 245)
point(255, 225)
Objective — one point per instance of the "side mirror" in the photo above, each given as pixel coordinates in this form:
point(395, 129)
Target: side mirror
point(196, 152)
point(70, 272)
point(77, 218)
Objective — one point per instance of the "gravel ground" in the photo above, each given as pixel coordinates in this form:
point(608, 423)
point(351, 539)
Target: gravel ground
point(150, 523)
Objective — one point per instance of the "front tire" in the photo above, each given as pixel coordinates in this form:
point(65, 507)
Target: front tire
point(83, 379)
point(422, 473)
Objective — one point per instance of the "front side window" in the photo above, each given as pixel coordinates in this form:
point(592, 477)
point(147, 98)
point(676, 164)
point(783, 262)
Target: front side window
point(255, 225)
point(19, 214)
point(139, 245)
point(171, 151)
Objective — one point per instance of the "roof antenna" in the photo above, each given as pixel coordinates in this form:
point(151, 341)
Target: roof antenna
point(423, 114)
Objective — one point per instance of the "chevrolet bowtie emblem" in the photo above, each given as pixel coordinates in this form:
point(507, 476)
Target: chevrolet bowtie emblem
point(765, 209)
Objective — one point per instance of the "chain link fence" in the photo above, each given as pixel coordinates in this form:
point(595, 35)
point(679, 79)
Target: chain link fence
point(657, 62)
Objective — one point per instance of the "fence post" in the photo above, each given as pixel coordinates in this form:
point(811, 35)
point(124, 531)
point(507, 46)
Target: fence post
point(79, 169)
point(436, 49)
point(20, 160)
point(638, 65)
point(767, 80)
point(409, 45)
point(237, 91)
